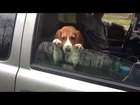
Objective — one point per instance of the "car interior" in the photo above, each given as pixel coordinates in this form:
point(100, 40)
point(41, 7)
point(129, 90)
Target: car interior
point(50, 23)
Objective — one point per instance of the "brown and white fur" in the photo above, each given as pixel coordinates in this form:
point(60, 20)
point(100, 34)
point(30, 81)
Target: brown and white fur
point(67, 40)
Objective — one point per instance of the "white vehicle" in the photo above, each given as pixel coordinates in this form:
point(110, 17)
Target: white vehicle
point(26, 63)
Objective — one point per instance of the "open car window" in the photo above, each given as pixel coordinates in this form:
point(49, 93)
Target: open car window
point(91, 64)
point(119, 18)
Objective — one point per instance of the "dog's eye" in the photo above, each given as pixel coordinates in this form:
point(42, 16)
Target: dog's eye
point(72, 38)
point(63, 38)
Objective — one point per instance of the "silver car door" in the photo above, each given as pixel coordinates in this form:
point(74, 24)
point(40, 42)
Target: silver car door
point(10, 66)
point(29, 79)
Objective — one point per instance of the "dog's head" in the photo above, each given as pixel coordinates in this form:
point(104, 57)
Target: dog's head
point(69, 36)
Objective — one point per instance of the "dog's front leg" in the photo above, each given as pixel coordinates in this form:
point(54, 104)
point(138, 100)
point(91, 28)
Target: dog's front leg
point(76, 54)
point(57, 55)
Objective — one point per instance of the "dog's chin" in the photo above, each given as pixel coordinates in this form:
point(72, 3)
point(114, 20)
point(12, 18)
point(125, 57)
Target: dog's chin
point(67, 51)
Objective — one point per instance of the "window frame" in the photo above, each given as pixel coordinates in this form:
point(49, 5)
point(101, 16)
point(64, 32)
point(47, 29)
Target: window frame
point(12, 35)
point(69, 74)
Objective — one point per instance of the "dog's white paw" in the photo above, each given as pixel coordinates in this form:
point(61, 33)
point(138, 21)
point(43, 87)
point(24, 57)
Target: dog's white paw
point(78, 46)
point(76, 54)
point(57, 42)
point(57, 54)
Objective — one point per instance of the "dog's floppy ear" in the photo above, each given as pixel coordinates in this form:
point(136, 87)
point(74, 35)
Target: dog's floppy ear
point(79, 38)
point(58, 34)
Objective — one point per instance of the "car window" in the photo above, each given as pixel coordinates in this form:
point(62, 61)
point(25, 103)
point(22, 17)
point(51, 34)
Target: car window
point(7, 22)
point(119, 18)
point(72, 17)
point(89, 63)
point(67, 17)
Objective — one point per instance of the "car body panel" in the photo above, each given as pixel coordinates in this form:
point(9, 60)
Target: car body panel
point(29, 79)
point(9, 67)
point(37, 81)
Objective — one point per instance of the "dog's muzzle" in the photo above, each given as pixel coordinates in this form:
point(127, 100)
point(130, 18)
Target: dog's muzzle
point(67, 49)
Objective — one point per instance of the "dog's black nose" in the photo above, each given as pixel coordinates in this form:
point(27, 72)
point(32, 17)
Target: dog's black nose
point(68, 49)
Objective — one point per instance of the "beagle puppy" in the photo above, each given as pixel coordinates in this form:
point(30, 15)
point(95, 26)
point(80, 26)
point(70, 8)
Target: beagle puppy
point(67, 42)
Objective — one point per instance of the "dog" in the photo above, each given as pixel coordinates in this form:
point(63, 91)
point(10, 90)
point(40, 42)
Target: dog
point(67, 42)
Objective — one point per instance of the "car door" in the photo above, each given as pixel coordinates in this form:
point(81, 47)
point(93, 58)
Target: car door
point(11, 30)
point(31, 79)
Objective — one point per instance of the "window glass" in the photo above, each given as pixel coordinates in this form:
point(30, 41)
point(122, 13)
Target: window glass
point(7, 21)
point(119, 18)
point(87, 62)
point(67, 17)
